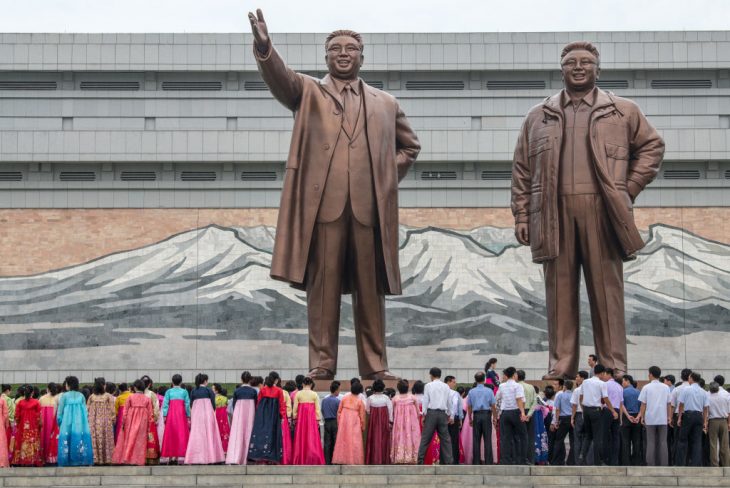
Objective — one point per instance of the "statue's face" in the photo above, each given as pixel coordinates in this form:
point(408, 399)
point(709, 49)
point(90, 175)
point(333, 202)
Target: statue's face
point(580, 70)
point(344, 57)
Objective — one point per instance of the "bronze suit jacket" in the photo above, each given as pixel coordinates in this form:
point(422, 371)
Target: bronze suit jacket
point(626, 150)
point(318, 118)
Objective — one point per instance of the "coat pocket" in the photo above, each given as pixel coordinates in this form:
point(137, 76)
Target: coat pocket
point(617, 159)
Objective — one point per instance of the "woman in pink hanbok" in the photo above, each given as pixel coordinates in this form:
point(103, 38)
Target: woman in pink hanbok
point(350, 427)
point(307, 415)
point(204, 445)
point(406, 433)
point(49, 429)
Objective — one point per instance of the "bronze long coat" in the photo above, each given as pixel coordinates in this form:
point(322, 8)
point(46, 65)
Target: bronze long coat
point(627, 153)
point(318, 119)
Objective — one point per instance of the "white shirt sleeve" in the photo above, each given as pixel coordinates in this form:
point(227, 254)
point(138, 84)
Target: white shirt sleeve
point(604, 390)
point(390, 409)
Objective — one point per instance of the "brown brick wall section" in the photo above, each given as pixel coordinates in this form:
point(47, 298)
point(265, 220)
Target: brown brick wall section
point(34, 241)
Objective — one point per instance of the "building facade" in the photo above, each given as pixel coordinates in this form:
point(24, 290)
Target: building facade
point(140, 178)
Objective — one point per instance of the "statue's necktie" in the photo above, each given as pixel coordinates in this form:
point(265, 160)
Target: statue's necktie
point(351, 107)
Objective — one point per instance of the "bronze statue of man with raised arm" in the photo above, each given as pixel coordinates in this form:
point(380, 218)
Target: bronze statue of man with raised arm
point(337, 230)
point(582, 158)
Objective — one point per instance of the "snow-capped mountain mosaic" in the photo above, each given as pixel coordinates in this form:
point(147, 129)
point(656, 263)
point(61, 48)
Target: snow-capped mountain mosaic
point(474, 291)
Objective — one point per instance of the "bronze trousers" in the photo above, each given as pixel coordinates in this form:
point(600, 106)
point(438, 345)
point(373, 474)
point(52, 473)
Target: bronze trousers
point(587, 241)
point(345, 250)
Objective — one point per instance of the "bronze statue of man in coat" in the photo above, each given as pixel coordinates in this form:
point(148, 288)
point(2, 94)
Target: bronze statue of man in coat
point(337, 230)
point(582, 158)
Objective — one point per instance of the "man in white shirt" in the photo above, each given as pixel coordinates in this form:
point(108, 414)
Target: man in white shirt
point(718, 425)
point(437, 417)
point(593, 395)
point(457, 412)
point(512, 419)
point(576, 419)
point(684, 375)
point(656, 415)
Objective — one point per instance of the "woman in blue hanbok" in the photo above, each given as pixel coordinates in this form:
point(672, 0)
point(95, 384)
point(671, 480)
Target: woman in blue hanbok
point(74, 436)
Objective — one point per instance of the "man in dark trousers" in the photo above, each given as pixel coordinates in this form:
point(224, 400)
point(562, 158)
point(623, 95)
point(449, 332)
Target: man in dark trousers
point(562, 426)
point(437, 412)
point(693, 419)
point(593, 398)
point(482, 414)
point(330, 405)
point(582, 158)
point(512, 420)
point(337, 229)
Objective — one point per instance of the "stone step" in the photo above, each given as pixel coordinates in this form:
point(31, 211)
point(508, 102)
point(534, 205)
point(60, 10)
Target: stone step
point(371, 476)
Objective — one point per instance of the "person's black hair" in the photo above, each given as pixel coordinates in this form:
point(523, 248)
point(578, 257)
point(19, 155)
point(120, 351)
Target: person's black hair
point(537, 388)
point(355, 380)
point(696, 377)
point(418, 387)
point(256, 381)
point(245, 378)
point(670, 378)
point(99, 385)
point(269, 381)
point(307, 381)
point(6, 387)
point(123, 387)
point(378, 386)
point(402, 386)
point(110, 388)
point(701, 382)
point(369, 391)
point(460, 390)
point(655, 371)
point(568, 384)
point(593, 357)
point(217, 388)
point(290, 386)
point(598, 369)
point(274, 375)
point(334, 386)
point(356, 388)
point(561, 382)
point(449, 378)
point(435, 372)
point(161, 390)
point(200, 378)
point(628, 378)
point(390, 392)
point(714, 387)
point(521, 375)
point(36, 392)
point(609, 371)
point(719, 379)
point(583, 374)
point(138, 386)
point(489, 364)
point(549, 392)
point(147, 381)
point(686, 372)
point(72, 382)
point(480, 377)
point(176, 379)
point(52, 388)
point(27, 391)
point(509, 372)
point(299, 380)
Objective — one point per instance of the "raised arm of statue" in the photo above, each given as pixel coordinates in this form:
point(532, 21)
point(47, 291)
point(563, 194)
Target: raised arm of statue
point(284, 83)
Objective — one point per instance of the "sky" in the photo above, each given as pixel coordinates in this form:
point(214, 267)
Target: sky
point(363, 16)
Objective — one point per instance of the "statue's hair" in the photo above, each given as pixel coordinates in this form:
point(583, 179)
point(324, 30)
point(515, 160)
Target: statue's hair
point(345, 32)
point(582, 46)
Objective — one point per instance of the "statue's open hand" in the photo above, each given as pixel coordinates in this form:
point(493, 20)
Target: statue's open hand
point(522, 233)
point(258, 27)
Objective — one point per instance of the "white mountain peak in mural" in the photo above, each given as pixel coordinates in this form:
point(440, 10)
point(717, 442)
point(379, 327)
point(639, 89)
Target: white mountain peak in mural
point(465, 284)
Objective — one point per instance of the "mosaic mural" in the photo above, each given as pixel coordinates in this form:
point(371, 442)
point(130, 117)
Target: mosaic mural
point(472, 293)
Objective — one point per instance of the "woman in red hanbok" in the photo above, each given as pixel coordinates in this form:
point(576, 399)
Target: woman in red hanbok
point(27, 450)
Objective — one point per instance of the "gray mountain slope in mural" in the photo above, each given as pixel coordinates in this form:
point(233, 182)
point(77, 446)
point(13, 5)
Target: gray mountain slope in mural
point(476, 285)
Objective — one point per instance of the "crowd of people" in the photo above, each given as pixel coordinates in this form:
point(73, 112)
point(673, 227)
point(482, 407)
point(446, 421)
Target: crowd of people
point(594, 419)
